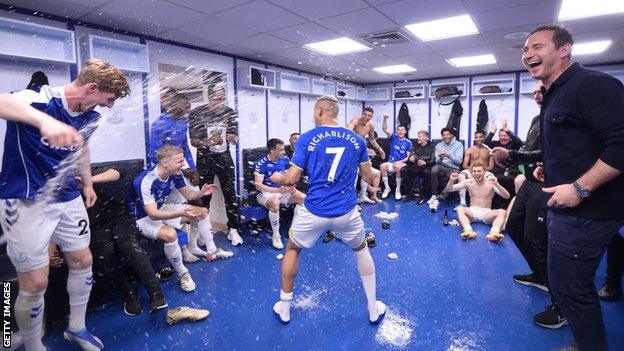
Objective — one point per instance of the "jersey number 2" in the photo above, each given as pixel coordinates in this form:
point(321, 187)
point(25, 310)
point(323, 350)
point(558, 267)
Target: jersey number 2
point(338, 151)
point(83, 223)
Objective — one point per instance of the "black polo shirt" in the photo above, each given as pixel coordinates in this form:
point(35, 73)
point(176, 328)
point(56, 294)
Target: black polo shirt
point(582, 120)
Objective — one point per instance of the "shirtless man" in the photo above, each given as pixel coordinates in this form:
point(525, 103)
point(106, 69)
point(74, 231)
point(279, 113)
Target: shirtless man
point(365, 128)
point(481, 194)
point(477, 154)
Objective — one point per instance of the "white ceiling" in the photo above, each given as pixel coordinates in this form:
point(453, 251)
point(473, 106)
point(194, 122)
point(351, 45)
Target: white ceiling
point(275, 30)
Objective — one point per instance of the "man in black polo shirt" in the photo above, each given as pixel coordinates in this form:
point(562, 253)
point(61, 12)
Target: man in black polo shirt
point(582, 124)
point(212, 129)
point(419, 164)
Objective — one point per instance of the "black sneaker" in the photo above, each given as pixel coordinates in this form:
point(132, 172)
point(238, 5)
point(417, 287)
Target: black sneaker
point(530, 280)
point(165, 274)
point(550, 318)
point(132, 304)
point(370, 240)
point(610, 292)
point(157, 302)
point(329, 236)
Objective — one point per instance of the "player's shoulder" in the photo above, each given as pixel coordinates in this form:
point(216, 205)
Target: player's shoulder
point(42, 96)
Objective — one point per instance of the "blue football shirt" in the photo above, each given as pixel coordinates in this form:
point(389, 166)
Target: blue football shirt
point(148, 188)
point(399, 149)
point(330, 155)
point(28, 161)
point(266, 167)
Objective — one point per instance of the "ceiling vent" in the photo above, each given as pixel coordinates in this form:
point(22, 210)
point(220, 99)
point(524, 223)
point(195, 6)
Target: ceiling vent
point(385, 38)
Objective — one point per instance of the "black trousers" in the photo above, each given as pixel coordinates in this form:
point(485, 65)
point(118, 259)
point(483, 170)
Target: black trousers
point(222, 166)
point(117, 242)
point(575, 248)
point(615, 261)
point(411, 174)
point(440, 171)
point(527, 227)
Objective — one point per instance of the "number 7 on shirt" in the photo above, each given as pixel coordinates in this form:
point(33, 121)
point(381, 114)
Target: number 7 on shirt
point(338, 151)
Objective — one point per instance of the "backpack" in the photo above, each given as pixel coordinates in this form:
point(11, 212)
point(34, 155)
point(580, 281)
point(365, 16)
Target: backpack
point(490, 89)
point(447, 90)
point(402, 94)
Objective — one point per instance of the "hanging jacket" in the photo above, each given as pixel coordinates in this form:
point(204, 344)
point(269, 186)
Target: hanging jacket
point(454, 120)
point(482, 117)
point(404, 117)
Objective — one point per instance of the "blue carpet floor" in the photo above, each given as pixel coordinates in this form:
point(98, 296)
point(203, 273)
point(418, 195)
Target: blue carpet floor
point(442, 294)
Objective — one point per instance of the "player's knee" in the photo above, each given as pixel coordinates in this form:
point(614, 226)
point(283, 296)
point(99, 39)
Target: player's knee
point(167, 234)
point(80, 260)
point(34, 283)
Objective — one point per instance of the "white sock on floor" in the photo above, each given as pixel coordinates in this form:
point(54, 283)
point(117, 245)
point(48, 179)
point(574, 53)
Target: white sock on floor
point(79, 282)
point(29, 316)
point(174, 255)
point(274, 218)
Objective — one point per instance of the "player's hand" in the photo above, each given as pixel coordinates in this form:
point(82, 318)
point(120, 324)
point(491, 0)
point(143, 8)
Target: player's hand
point(195, 213)
point(287, 189)
point(276, 177)
point(421, 163)
point(492, 180)
point(443, 154)
point(499, 153)
point(89, 195)
point(385, 116)
point(382, 154)
point(55, 257)
point(563, 196)
point(208, 189)
point(59, 134)
point(493, 128)
point(412, 158)
point(538, 173)
point(453, 177)
point(505, 123)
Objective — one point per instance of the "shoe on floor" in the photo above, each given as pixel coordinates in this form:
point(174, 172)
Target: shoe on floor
point(329, 236)
point(186, 282)
point(385, 193)
point(550, 318)
point(277, 241)
point(365, 200)
point(196, 251)
point(381, 313)
point(530, 280)
point(610, 292)
point(282, 317)
point(234, 237)
point(187, 256)
point(397, 195)
point(468, 234)
point(132, 304)
point(370, 240)
point(86, 340)
point(220, 254)
point(184, 313)
point(157, 302)
point(165, 274)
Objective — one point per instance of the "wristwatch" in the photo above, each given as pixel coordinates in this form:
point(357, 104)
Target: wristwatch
point(582, 192)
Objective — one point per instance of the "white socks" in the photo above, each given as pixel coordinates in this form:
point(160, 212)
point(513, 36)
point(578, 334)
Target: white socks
point(79, 282)
point(385, 181)
point(29, 316)
point(174, 255)
point(205, 230)
point(363, 187)
point(193, 237)
point(366, 268)
point(274, 218)
point(282, 307)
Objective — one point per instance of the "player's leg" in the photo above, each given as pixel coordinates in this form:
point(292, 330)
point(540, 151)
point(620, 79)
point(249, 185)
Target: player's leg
point(397, 191)
point(73, 236)
point(463, 175)
point(497, 218)
point(28, 228)
point(465, 217)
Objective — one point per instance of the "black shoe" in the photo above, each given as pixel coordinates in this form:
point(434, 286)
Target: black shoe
point(157, 302)
point(370, 240)
point(610, 292)
point(530, 280)
point(132, 304)
point(329, 236)
point(165, 274)
point(550, 318)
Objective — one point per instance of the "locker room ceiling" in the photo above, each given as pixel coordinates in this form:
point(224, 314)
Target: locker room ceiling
point(275, 30)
